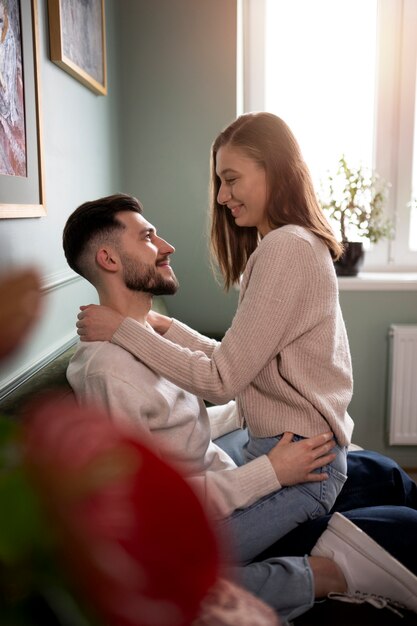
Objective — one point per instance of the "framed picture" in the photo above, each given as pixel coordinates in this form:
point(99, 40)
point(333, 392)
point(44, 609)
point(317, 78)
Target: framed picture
point(21, 164)
point(78, 40)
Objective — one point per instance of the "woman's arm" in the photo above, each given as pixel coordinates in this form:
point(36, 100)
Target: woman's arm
point(186, 337)
point(274, 310)
point(180, 333)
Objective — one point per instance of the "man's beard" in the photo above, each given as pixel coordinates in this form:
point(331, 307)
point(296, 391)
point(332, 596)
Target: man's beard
point(142, 277)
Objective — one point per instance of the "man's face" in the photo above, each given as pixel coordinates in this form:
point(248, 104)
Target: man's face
point(145, 256)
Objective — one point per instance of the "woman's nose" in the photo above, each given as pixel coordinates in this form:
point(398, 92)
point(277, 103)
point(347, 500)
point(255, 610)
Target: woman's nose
point(223, 194)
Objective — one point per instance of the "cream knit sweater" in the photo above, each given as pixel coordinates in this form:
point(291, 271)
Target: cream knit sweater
point(171, 421)
point(286, 356)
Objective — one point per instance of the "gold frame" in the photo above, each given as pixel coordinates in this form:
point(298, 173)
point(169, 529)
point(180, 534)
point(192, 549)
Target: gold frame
point(38, 208)
point(57, 53)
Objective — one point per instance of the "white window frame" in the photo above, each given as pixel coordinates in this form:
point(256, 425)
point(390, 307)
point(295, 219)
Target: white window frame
point(394, 115)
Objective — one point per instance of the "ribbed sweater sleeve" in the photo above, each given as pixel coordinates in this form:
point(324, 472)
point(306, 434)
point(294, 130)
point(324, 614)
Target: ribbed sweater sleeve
point(186, 337)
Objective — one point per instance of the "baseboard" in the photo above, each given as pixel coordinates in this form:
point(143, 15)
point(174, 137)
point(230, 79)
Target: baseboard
point(26, 373)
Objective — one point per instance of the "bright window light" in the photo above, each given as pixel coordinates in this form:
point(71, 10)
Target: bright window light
point(413, 213)
point(343, 75)
point(320, 74)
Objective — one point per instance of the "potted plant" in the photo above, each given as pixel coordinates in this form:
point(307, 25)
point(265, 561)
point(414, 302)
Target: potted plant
point(354, 199)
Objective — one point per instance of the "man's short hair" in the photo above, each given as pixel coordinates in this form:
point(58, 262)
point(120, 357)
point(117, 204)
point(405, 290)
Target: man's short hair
point(96, 218)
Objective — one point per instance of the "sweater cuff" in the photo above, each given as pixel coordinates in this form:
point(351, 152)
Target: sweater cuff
point(257, 478)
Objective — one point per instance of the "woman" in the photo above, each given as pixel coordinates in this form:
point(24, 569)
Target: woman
point(286, 356)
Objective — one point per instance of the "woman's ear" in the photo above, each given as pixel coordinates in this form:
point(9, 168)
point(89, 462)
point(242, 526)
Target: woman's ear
point(108, 259)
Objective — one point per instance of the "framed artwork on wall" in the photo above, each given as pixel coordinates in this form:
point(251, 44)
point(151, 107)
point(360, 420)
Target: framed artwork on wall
point(21, 163)
point(77, 38)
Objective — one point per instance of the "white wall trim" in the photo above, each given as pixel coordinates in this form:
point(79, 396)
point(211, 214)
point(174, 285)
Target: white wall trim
point(58, 279)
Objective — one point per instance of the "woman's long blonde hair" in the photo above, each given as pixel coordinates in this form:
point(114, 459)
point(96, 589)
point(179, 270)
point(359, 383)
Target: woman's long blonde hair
point(265, 138)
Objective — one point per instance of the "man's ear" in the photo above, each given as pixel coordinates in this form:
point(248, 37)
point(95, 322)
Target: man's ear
point(108, 259)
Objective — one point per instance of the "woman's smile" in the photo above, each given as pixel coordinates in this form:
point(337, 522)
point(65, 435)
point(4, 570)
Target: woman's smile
point(236, 210)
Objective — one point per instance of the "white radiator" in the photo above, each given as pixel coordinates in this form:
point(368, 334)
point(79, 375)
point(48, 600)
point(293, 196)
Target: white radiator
point(402, 405)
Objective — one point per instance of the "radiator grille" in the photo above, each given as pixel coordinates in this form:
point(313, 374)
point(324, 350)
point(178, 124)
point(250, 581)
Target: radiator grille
point(403, 385)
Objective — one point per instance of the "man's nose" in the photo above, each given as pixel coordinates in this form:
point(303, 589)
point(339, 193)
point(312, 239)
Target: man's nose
point(164, 247)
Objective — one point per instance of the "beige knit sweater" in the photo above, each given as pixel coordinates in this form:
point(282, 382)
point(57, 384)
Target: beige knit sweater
point(286, 356)
point(173, 422)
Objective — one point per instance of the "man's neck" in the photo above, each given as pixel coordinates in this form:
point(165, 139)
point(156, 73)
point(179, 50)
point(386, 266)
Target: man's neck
point(135, 304)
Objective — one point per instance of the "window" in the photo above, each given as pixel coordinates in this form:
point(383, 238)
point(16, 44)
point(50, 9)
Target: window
point(413, 207)
point(342, 74)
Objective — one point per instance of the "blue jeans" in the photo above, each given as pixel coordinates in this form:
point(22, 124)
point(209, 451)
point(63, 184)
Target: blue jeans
point(282, 511)
point(378, 496)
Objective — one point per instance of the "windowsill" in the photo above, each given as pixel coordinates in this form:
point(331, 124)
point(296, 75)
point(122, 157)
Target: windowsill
point(379, 281)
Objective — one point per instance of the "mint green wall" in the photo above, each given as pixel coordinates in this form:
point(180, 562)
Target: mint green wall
point(80, 146)
point(178, 91)
point(368, 316)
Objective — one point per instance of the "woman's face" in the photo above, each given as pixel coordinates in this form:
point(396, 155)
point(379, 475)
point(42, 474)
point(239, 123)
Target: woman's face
point(243, 188)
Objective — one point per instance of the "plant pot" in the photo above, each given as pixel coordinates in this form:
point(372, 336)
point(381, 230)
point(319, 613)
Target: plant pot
point(352, 260)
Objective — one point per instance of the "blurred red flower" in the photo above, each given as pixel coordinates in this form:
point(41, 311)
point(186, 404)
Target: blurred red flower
point(130, 529)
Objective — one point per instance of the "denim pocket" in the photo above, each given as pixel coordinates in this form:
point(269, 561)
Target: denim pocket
point(323, 493)
point(326, 491)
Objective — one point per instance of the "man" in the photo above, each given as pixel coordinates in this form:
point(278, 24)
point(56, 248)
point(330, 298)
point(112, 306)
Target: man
point(112, 245)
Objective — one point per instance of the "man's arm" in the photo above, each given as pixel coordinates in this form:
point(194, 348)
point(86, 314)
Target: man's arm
point(225, 490)
point(223, 487)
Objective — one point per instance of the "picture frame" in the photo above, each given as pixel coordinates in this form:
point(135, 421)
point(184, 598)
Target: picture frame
point(77, 37)
point(21, 179)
